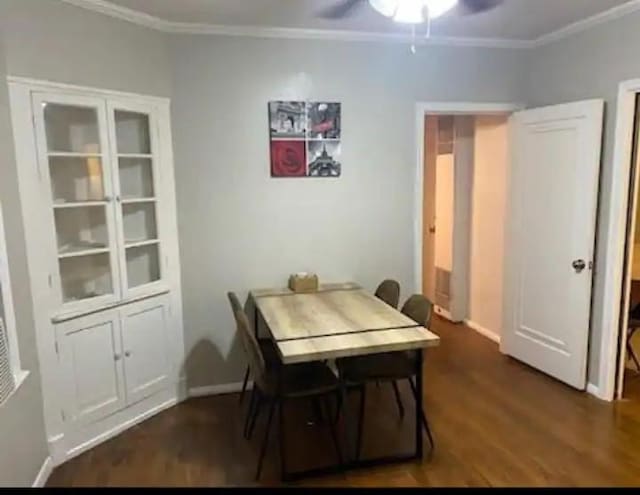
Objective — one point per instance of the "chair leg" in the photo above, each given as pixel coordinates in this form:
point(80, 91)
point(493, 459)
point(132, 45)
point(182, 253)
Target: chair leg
point(247, 420)
point(256, 413)
point(363, 393)
point(332, 428)
point(425, 423)
point(244, 385)
point(398, 398)
point(265, 441)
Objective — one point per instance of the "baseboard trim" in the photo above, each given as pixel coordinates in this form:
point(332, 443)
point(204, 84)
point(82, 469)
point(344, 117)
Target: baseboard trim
point(224, 388)
point(595, 391)
point(443, 312)
point(44, 473)
point(485, 332)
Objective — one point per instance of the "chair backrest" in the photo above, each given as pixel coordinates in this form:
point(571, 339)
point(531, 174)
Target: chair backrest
point(419, 309)
point(248, 339)
point(389, 292)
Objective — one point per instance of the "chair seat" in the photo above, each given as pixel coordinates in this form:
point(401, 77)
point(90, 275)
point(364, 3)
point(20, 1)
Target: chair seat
point(387, 366)
point(300, 380)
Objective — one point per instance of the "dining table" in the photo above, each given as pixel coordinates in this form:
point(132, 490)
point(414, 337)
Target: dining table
point(341, 320)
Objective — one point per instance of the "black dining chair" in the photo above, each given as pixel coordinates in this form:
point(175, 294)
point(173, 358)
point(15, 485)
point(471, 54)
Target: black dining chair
point(390, 366)
point(267, 346)
point(389, 292)
point(275, 385)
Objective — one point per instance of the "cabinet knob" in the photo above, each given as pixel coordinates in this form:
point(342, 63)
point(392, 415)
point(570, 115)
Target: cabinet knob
point(127, 353)
point(116, 357)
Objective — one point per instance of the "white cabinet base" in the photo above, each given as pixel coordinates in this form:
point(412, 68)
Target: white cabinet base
point(66, 446)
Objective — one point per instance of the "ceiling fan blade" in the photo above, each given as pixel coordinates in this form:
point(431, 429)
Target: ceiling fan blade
point(478, 6)
point(341, 9)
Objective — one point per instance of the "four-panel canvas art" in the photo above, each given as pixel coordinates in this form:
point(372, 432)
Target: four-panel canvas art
point(305, 139)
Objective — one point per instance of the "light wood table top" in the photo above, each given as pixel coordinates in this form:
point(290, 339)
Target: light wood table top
point(337, 322)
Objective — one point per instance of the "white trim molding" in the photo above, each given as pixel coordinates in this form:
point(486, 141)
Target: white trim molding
point(594, 390)
point(585, 24)
point(43, 474)
point(225, 388)
point(152, 22)
point(485, 332)
point(44, 85)
point(616, 238)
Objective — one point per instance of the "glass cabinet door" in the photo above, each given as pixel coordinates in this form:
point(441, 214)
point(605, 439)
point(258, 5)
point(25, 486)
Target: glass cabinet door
point(72, 147)
point(133, 133)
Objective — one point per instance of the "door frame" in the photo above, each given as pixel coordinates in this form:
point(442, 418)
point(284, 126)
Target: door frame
point(622, 189)
point(440, 108)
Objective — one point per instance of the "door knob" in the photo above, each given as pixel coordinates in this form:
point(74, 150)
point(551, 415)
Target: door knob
point(579, 265)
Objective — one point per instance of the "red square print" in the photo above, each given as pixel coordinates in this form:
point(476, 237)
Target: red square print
point(288, 159)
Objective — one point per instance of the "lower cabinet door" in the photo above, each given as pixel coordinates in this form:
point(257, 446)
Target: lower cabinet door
point(144, 340)
point(90, 357)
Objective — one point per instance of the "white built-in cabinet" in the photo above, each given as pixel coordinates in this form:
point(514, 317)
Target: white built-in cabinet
point(97, 192)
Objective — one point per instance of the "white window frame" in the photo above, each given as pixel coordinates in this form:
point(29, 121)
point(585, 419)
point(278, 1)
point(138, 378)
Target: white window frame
point(19, 375)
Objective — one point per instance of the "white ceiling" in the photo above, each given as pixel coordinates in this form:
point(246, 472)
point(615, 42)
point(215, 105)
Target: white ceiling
point(523, 20)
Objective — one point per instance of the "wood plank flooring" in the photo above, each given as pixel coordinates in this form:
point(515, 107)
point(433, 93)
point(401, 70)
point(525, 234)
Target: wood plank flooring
point(496, 423)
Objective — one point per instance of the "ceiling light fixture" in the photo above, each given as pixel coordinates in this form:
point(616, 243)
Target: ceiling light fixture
point(413, 12)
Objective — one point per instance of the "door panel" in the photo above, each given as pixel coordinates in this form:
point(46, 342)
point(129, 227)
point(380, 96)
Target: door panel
point(554, 189)
point(144, 336)
point(92, 368)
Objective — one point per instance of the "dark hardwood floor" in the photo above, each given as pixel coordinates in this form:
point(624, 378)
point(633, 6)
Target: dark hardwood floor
point(496, 423)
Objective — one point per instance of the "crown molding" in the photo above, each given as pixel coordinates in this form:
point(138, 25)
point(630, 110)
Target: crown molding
point(336, 35)
point(123, 13)
point(107, 8)
point(588, 23)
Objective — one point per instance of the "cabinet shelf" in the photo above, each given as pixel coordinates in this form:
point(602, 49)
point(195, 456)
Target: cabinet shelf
point(129, 201)
point(135, 155)
point(146, 242)
point(79, 204)
point(82, 251)
point(72, 154)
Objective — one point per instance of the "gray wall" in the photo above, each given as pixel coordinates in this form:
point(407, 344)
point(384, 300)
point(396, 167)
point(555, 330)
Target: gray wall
point(47, 39)
point(590, 64)
point(22, 435)
point(51, 40)
point(239, 229)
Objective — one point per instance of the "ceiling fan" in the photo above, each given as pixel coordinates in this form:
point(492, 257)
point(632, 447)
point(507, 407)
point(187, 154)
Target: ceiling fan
point(408, 11)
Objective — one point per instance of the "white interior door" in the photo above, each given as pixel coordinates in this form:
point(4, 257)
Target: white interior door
point(144, 339)
point(551, 233)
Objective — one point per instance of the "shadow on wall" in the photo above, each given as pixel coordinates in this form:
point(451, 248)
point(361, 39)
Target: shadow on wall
point(205, 357)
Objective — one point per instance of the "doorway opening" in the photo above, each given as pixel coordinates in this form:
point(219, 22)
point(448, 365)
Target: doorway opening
point(464, 217)
point(628, 362)
point(536, 249)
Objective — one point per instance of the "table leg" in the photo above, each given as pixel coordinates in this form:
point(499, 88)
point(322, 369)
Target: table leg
point(419, 450)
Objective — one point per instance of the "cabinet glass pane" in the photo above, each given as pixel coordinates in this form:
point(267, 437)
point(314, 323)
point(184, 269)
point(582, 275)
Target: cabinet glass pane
point(71, 129)
point(139, 221)
point(132, 132)
point(143, 265)
point(136, 178)
point(83, 277)
point(81, 229)
point(76, 179)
